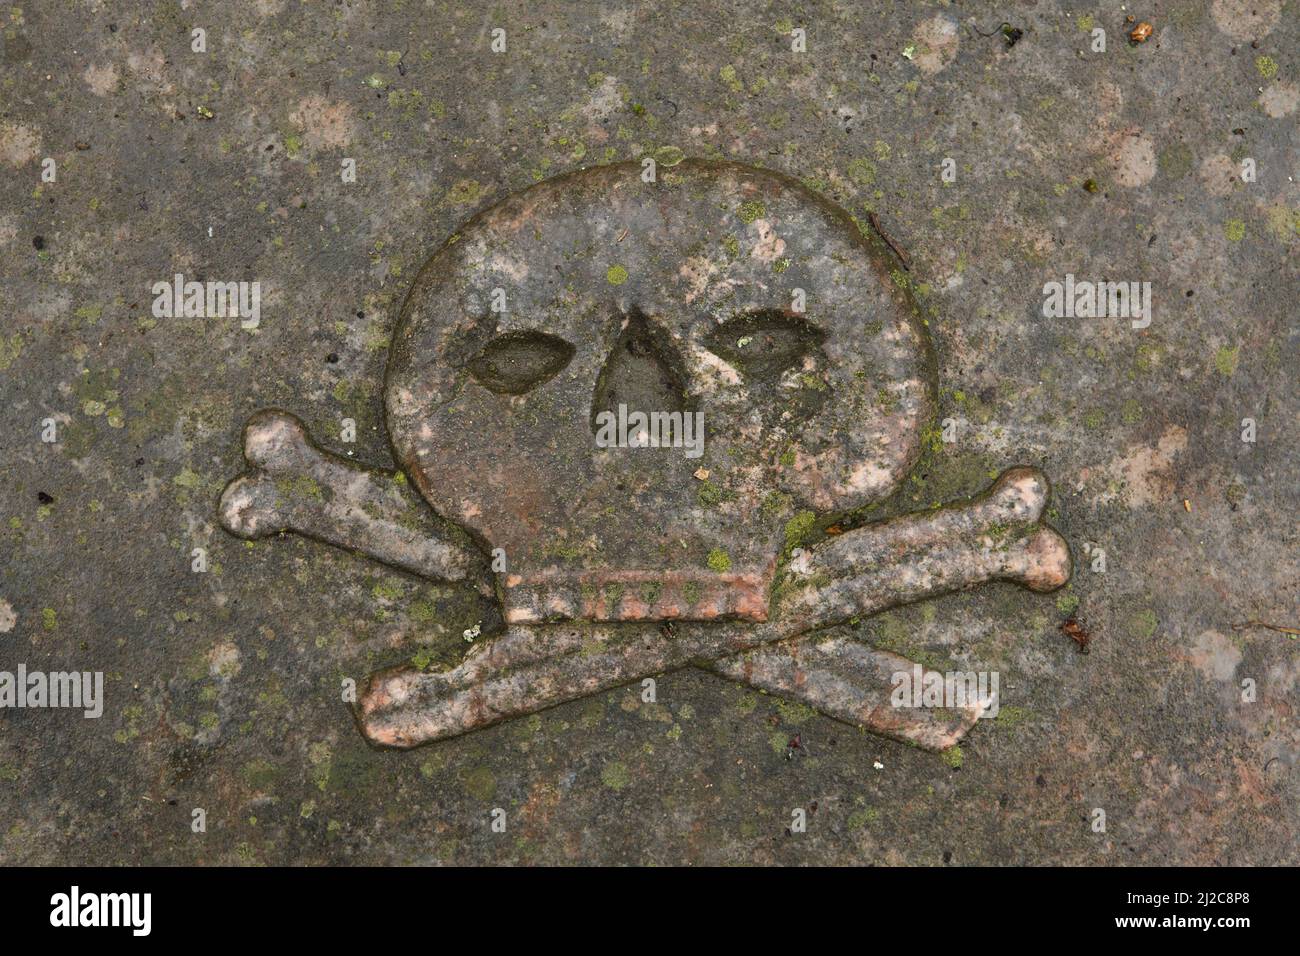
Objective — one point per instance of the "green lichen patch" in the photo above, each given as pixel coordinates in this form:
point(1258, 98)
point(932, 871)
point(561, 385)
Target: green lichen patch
point(10, 349)
point(479, 782)
point(710, 495)
point(464, 192)
point(615, 775)
point(862, 172)
point(862, 816)
point(1225, 360)
point(668, 156)
point(794, 713)
point(1143, 624)
point(799, 528)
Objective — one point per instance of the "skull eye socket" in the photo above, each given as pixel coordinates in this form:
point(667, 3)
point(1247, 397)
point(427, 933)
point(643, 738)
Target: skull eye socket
point(764, 344)
point(518, 362)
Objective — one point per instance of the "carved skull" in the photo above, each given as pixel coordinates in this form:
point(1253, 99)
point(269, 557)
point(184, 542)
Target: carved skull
point(727, 294)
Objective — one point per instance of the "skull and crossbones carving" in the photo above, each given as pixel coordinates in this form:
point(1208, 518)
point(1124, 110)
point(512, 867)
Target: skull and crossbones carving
point(722, 292)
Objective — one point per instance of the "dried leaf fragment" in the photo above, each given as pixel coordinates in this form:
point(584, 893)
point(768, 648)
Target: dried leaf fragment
point(1077, 633)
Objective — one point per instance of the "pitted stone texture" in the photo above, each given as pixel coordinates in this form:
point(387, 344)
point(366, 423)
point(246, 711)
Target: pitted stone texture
point(820, 411)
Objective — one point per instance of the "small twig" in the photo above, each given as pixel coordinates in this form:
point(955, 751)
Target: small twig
point(996, 29)
point(1009, 33)
point(1295, 631)
point(875, 224)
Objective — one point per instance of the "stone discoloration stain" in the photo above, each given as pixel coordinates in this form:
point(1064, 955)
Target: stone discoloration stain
point(325, 124)
point(1145, 473)
point(1246, 20)
point(102, 78)
point(19, 144)
point(1280, 99)
point(1215, 656)
point(1219, 174)
point(1133, 159)
point(936, 41)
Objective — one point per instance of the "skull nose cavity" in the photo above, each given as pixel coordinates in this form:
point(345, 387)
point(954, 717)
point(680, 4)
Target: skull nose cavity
point(643, 372)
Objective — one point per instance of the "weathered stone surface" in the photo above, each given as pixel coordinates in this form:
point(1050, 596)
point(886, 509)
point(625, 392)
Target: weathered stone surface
point(222, 690)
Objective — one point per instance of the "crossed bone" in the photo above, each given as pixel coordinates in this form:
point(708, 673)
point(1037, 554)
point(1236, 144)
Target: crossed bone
point(798, 652)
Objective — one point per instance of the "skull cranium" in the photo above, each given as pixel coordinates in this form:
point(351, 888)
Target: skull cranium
point(817, 409)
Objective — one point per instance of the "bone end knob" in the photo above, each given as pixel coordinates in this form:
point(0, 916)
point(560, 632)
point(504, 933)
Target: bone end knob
point(276, 441)
point(1046, 562)
point(1022, 492)
point(250, 507)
